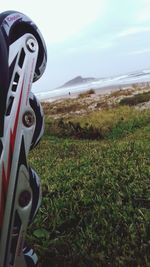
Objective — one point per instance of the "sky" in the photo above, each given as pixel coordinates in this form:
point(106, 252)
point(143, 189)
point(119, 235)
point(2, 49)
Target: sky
point(90, 38)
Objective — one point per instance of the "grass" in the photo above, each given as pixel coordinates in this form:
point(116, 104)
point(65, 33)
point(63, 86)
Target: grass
point(136, 99)
point(96, 193)
point(99, 124)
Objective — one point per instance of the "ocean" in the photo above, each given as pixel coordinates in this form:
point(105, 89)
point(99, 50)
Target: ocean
point(130, 78)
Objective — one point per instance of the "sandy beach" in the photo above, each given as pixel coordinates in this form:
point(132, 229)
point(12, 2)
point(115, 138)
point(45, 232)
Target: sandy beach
point(98, 92)
point(103, 92)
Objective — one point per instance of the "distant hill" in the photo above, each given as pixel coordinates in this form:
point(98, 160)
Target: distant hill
point(78, 80)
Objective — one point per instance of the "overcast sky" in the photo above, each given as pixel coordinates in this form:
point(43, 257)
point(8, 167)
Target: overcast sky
point(92, 38)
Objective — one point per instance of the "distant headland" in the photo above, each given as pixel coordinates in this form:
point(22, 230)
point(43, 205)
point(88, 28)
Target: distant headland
point(78, 80)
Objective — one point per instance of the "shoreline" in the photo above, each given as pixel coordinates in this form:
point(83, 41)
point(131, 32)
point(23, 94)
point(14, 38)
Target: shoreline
point(98, 92)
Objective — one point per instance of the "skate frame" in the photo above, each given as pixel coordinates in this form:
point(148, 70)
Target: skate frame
point(19, 125)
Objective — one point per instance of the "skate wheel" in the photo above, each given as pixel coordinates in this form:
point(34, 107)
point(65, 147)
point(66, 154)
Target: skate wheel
point(36, 193)
point(14, 25)
point(39, 125)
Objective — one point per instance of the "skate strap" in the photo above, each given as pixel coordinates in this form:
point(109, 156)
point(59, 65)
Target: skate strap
point(4, 81)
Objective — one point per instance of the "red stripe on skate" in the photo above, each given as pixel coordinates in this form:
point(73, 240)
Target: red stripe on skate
point(13, 134)
point(6, 174)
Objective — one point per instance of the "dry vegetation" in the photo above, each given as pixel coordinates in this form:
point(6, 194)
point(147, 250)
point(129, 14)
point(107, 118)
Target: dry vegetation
point(92, 101)
point(87, 93)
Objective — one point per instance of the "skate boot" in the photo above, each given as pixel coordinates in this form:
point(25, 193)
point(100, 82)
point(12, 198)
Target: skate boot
point(23, 60)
